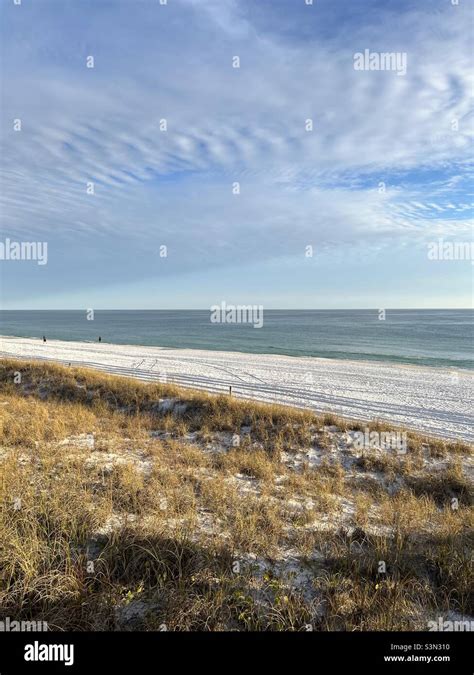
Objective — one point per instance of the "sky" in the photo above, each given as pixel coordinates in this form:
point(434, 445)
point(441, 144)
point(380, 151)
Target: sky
point(166, 177)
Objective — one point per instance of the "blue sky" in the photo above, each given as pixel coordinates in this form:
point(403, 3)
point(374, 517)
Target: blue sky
point(228, 125)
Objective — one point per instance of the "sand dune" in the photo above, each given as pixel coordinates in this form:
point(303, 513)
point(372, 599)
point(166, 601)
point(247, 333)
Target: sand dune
point(435, 401)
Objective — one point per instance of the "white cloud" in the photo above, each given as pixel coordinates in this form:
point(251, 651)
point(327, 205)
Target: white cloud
point(229, 124)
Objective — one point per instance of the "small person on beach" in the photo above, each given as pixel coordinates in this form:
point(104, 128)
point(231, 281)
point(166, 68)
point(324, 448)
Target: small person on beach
point(44, 338)
point(100, 339)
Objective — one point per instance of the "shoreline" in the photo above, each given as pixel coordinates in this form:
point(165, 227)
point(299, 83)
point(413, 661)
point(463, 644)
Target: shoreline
point(384, 362)
point(434, 401)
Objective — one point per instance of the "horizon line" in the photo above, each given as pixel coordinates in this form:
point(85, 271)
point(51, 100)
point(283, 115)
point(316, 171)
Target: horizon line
point(275, 309)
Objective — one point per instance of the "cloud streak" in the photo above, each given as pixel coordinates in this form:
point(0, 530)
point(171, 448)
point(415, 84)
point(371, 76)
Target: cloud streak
point(228, 125)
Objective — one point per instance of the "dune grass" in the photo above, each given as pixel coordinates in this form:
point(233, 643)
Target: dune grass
point(120, 512)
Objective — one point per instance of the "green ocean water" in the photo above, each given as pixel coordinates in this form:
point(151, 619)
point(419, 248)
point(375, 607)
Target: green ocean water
point(424, 337)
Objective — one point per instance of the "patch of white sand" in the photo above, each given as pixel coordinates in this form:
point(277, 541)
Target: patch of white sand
point(426, 399)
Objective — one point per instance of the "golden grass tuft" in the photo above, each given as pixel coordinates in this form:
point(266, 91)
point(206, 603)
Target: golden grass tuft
point(117, 514)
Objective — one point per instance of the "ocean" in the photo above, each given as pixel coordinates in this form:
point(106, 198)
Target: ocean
point(423, 337)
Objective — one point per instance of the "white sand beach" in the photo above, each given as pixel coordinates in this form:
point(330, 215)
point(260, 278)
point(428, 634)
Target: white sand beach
point(434, 401)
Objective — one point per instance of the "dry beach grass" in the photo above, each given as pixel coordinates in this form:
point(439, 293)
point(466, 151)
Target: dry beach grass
point(127, 505)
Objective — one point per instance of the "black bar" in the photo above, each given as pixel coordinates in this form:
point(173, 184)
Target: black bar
point(149, 652)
